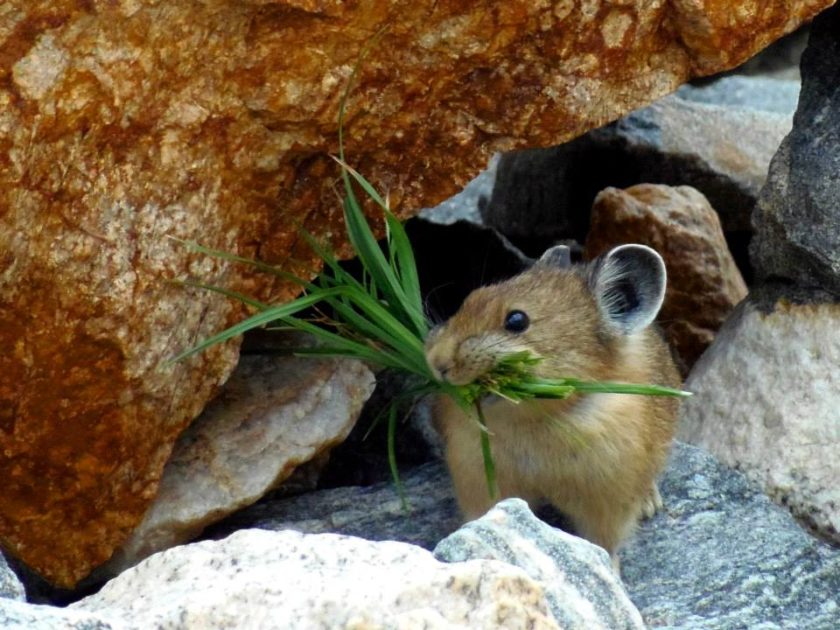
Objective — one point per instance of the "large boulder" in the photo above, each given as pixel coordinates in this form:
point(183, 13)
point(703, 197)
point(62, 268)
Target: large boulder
point(796, 219)
point(286, 579)
point(123, 124)
point(767, 400)
point(272, 415)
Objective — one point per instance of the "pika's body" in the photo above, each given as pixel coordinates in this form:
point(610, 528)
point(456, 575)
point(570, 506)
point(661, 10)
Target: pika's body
point(593, 457)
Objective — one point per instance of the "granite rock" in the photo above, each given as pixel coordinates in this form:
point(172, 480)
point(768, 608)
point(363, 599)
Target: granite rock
point(796, 219)
point(286, 579)
point(275, 413)
point(582, 589)
point(372, 512)
point(10, 586)
point(125, 123)
point(767, 401)
point(16, 615)
point(721, 555)
point(704, 284)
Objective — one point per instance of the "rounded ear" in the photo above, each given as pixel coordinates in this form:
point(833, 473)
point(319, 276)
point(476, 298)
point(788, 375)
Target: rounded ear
point(559, 256)
point(629, 286)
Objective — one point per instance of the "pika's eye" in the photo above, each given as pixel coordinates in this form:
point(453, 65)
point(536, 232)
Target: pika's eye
point(516, 322)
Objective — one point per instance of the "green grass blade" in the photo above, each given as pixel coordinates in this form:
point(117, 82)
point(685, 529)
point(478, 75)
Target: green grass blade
point(392, 456)
point(265, 316)
point(487, 454)
point(241, 297)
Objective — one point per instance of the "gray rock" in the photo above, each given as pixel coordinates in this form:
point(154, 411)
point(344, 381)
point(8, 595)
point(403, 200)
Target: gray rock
point(796, 220)
point(10, 585)
point(16, 615)
point(372, 512)
point(759, 93)
point(547, 193)
point(779, 425)
point(722, 555)
point(581, 587)
point(467, 204)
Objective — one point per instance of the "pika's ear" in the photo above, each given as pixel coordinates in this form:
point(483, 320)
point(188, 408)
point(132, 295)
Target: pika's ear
point(629, 286)
point(559, 256)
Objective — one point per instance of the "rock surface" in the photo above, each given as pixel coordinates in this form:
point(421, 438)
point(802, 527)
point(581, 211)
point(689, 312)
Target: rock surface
point(21, 616)
point(546, 195)
point(273, 414)
point(372, 512)
point(124, 123)
point(10, 585)
point(581, 587)
point(721, 555)
point(704, 284)
point(767, 400)
point(290, 580)
point(796, 220)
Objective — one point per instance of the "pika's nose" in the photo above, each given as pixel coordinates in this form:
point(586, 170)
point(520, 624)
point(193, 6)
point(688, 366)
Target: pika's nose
point(441, 368)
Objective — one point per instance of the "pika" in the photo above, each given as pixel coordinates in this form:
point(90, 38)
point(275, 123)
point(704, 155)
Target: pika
point(593, 457)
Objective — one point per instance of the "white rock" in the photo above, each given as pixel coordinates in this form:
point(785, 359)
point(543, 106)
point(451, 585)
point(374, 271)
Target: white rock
point(582, 589)
point(15, 615)
point(767, 400)
point(260, 579)
point(274, 414)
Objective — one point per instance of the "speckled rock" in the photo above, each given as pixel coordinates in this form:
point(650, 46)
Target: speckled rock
point(796, 219)
point(21, 616)
point(767, 400)
point(273, 414)
point(125, 123)
point(704, 284)
point(582, 589)
point(721, 555)
point(260, 579)
point(372, 512)
point(10, 585)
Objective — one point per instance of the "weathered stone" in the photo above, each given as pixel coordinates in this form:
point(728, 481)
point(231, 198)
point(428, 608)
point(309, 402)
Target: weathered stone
point(760, 93)
point(581, 587)
point(273, 414)
point(767, 400)
point(796, 219)
point(317, 581)
point(372, 512)
point(721, 555)
point(546, 195)
point(124, 123)
point(10, 585)
point(704, 285)
point(21, 616)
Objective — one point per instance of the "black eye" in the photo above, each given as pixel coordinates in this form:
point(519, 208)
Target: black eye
point(516, 322)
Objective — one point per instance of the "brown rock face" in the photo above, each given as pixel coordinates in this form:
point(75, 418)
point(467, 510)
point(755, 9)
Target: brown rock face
point(126, 122)
point(704, 285)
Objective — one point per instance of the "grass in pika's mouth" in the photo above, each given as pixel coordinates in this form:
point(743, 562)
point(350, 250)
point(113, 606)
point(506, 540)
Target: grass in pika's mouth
point(380, 319)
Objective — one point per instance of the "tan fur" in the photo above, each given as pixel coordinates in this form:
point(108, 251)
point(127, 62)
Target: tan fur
point(595, 457)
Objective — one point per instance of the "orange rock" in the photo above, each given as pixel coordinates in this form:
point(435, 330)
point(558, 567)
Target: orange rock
point(125, 122)
point(704, 284)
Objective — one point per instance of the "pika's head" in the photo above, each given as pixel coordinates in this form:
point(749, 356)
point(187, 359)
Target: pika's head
point(572, 316)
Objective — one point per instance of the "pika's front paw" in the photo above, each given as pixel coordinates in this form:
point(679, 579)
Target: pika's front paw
point(652, 502)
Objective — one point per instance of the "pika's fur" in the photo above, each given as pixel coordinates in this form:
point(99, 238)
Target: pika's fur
point(593, 457)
